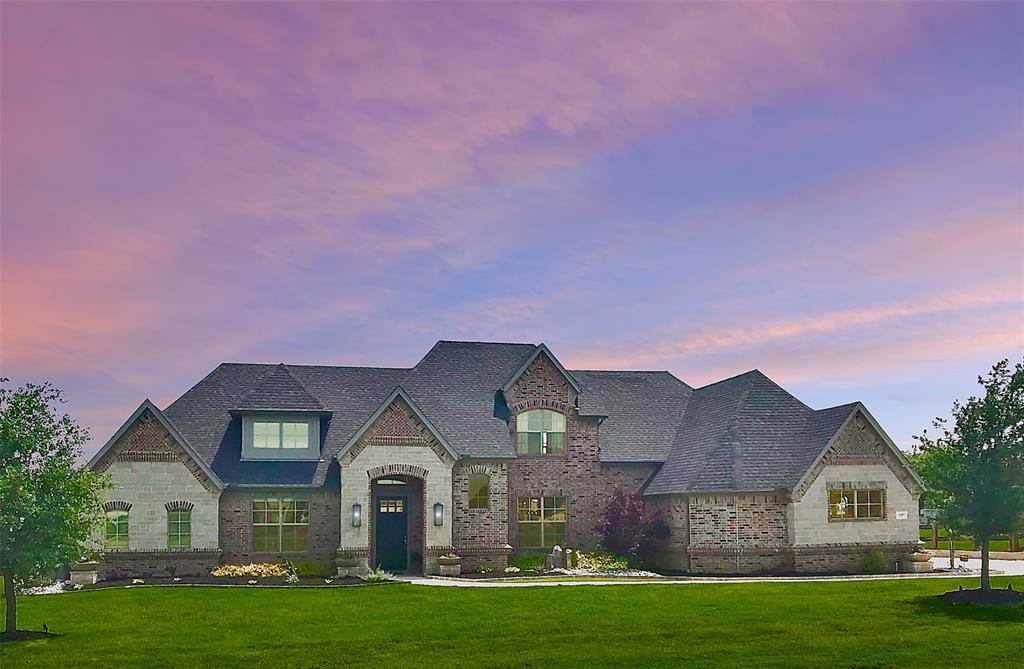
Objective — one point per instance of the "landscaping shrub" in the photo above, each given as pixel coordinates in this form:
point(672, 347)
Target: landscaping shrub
point(528, 561)
point(377, 575)
point(874, 562)
point(252, 570)
point(629, 528)
point(318, 568)
point(602, 560)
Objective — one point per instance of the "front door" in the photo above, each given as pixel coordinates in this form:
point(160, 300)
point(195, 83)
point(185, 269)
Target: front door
point(392, 537)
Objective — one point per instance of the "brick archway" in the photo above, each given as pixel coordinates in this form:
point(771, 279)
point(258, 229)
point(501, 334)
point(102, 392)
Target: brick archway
point(416, 534)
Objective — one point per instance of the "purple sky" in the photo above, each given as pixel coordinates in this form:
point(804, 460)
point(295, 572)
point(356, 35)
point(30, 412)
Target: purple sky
point(831, 193)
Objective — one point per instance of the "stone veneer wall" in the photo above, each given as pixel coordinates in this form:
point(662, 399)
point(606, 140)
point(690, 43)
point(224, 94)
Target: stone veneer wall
point(396, 444)
point(149, 470)
point(480, 535)
point(857, 459)
point(236, 523)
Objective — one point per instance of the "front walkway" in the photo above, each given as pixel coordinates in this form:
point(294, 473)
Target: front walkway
point(999, 567)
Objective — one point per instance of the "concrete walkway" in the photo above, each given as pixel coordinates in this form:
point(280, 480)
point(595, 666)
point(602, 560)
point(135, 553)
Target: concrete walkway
point(999, 567)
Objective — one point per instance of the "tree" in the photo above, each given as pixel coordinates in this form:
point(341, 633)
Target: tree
point(975, 469)
point(628, 528)
point(48, 505)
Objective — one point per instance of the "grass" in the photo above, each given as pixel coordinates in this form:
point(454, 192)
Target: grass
point(966, 544)
point(840, 624)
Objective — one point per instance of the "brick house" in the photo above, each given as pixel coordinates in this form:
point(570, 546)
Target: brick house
point(484, 448)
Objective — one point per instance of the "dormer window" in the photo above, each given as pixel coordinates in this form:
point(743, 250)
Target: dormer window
point(280, 434)
point(283, 436)
point(540, 432)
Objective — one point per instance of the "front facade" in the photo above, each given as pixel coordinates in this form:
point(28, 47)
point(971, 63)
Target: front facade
point(482, 449)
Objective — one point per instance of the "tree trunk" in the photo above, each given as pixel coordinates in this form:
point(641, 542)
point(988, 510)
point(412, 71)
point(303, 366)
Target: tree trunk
point(935, 536)
point(985, 585)
point(12, 602)
point(952, 551)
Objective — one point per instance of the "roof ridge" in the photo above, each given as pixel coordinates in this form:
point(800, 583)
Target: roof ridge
point(731, 378)
point(472, 341)
point(302, 385)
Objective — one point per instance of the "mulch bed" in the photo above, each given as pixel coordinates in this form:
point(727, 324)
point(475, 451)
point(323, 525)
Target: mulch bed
point(25, 635)
point(1004, 597)
point(304, 581)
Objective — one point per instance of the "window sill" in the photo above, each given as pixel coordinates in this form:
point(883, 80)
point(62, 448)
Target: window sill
point(856, 520)
point(542, 456)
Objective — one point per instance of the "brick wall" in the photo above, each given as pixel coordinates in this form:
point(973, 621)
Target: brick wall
point(675, 512)
point(480, 535)
point(236, 523)
point(147, 564)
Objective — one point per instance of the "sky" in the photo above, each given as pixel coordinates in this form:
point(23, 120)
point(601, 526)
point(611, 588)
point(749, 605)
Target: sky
point(830, 193)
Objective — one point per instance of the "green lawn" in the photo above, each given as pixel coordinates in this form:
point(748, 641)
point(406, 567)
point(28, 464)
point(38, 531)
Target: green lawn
point(851, 624)
point(966, 544)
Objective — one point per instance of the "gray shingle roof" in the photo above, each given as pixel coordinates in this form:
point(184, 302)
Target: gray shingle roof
point(643, 411)
point(745, 434)
point(280, 391)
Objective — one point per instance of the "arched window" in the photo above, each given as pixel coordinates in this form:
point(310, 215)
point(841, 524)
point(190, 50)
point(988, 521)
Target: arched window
point(540, 432)
point(179, 524)
point(116, 534)
point(479, 491)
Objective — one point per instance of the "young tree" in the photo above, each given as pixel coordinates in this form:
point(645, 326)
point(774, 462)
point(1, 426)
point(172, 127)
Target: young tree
point(975, 469)
point(48, 505)
point(628, 528)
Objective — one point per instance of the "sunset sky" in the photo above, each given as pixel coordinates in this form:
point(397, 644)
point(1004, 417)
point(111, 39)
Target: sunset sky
point(830, 193)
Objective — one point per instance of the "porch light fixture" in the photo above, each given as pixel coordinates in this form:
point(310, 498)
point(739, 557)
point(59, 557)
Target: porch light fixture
point(439, 514)
point(357, 515)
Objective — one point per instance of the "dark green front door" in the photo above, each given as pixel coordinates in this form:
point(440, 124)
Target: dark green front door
point(391, 531)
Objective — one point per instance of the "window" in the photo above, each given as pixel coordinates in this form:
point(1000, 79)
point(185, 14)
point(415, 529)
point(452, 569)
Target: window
point(116, 534)
point(179, 528)
point(540, 432)
point(280, 434)
point(479, 491)
point(855, 505)
point(541, 521)
point(280, 525)
point(391, 505)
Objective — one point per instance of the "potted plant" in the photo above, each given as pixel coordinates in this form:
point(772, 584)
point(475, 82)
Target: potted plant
point(450, 564)
point(85, 571)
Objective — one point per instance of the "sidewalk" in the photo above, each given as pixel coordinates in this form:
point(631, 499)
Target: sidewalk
point(999, 568)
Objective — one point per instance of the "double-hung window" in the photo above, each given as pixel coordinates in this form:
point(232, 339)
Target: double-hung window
point(540, 432)
point(116, 529)
point(179, 528)
point(864, 504)
point(280, 525)
point(541, 521)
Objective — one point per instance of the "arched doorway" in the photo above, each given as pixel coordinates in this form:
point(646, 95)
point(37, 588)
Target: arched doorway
point(397, 523)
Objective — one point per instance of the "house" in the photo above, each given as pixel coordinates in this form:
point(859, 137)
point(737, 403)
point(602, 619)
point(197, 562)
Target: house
point(482, 448)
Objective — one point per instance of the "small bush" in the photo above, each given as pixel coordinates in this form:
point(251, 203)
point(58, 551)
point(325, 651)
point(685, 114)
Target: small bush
point(317, 568)
point(601, 560)
point(253, 570)
point(874, 562)
point(377, 575)
point(512, 570)
point(528, 561)
point(293, 577)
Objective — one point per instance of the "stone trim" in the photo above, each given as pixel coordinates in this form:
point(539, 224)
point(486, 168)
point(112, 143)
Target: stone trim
point(541, 403)
point(383, 471)
point(117, 505)
point(179, 505)
point(856, 485)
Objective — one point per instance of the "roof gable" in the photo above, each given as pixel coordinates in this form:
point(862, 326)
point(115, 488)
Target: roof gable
point(200, 469)
point(399, 394)
point(542, 349)
point(891, 453)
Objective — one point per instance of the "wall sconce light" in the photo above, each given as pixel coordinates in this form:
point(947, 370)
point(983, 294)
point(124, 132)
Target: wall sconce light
point(357, 515)
point(439, 514)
